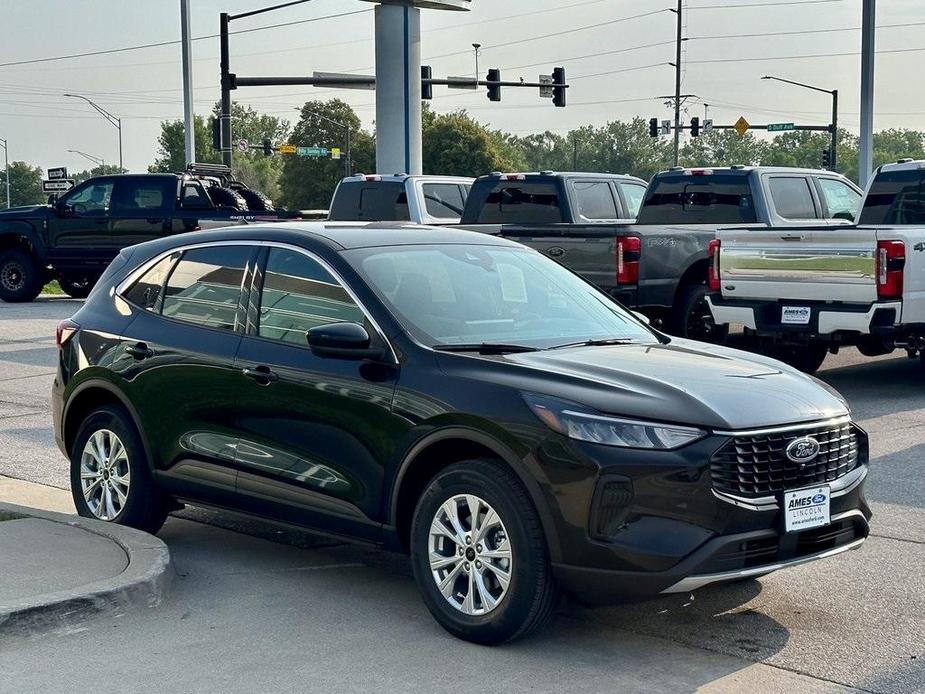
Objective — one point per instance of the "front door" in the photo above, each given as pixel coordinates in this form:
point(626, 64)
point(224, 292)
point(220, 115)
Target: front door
point(314, 432)
point(78, 229)
point(178, 364)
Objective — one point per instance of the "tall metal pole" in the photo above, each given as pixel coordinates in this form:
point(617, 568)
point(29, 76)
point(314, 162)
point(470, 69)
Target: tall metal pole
point(868, 44)
point(119, 126)
point(349, 164)
point(677, 88)
point(6, 162)
point(834, 158)
point(189, 124)
point(226, 90)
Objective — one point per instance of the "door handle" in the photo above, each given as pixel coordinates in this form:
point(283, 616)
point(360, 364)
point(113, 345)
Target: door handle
point(262, 374)
point(140, 351)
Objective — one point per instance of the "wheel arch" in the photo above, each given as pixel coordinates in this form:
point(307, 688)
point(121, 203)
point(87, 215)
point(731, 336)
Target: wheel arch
point(89, 396)
point(437, 451)
point(696, 273)
point(20, 235)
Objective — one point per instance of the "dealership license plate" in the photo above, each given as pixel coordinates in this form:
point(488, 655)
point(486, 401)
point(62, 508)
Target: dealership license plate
point(795, 315)
point(807, 508)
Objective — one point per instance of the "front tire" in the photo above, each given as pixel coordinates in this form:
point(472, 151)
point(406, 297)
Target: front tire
point(694, 320)
point(21, 278)
point(479, 554)
point(110, 477)
point(78, 287)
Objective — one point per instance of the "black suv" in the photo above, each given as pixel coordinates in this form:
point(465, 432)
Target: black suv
point(454, 395)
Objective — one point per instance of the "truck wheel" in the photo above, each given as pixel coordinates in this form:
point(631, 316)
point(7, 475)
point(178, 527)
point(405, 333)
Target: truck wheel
point(78, 287)
point(256, 201)
point(20, 276)
point(694, 319)
point(806, 358)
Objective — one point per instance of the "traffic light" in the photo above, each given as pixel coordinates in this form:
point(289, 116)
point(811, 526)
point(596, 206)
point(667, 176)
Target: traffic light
point(494, 90)
point(826, 158)
point(695, 127)
point(217, 134)
point(427, 89)
point(267, 147)
point(558, 91)
point(653, 127)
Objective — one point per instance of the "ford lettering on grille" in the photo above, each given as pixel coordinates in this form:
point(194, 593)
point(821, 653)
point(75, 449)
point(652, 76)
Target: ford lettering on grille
point(803, 450)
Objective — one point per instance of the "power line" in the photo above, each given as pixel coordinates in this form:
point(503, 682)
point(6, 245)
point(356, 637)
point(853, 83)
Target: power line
point(762, 4)
point(159, 44)
point(593, 55)
point(799, 32)
point(801, 57)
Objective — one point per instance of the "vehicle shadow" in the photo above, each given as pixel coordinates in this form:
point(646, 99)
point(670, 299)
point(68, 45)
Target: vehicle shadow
point(887, 385)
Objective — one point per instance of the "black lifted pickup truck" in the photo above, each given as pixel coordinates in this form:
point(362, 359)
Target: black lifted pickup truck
point(74, 238)
point(649, 247)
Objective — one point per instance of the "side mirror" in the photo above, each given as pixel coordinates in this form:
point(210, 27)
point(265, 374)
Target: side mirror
point(348, 341)
point(642, 317)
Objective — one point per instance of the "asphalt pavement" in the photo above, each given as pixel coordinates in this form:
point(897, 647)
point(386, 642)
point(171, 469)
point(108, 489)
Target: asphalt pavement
point(257, 608)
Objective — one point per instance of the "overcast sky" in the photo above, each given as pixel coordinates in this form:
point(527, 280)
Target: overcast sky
point(616, 61)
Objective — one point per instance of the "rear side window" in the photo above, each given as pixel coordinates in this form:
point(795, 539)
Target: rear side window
point(792, 197)
point(444, 200)
point(689, 199)
point(144, 195)
point(148, 291)
point(298, 295)
point(896, 197)
point(521, 202)
point(205, 286)
point(594, 200)
point(841, 199)
point(633, 196)
point(194, 197)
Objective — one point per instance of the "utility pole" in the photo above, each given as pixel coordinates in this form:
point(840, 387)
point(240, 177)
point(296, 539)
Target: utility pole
point(188, 115)
point(223, 20)
point(677, 87)
point(868, 45)
point(6, 162)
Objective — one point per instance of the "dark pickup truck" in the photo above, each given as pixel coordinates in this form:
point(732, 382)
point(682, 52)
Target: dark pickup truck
point(649, 247)
point(75, 237)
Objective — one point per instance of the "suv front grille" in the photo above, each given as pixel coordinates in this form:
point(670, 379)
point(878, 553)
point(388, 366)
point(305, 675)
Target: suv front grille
point(758, 466)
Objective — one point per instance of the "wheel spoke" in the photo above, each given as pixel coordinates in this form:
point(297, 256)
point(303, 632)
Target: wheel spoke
point(438, 561)
point(88, 491)
point(486, 598)
point(473, 504)
point(120, 495)
point(490, 521)
point(437, 528)
point(452, 513)
point(503, 576)
point(468, 605)
point(500, 553)
point(449, 581)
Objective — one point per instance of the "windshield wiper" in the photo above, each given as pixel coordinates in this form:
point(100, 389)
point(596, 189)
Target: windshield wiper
point(486, 348)
point(599, 343)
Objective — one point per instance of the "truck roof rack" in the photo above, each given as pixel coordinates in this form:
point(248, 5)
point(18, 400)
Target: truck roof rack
point(219, 171)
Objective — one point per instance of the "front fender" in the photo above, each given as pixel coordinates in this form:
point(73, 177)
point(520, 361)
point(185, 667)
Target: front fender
point(22, 232)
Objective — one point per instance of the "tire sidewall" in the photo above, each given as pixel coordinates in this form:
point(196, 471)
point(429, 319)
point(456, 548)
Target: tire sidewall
point(691, 297)
point(32, 276)
point(506, 619)
point(113, 420)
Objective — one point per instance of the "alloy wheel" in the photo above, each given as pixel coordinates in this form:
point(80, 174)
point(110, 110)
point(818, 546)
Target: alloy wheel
point(470, 554)
point(12, 276)
point(104, 474)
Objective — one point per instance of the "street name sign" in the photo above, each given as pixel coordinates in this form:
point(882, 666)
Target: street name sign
point(313, 151)
point(779, 127)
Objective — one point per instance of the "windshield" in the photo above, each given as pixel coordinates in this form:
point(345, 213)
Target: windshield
point(895, 197)
point(459, 295)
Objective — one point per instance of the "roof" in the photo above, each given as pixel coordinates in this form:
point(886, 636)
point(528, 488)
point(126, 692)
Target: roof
point(744, 170)
point(401, 178)
point(336, 235)
point(904, 165)
point(565, 174)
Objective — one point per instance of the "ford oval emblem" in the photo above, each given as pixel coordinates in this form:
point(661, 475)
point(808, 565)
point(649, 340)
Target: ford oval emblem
point(556, 252)
point(819, 498)
point(803, 450)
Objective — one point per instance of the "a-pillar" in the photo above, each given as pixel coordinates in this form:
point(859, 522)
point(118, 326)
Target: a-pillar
point(398, 89)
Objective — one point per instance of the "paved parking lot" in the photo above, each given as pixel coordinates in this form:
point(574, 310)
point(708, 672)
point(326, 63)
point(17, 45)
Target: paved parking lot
point(300, 613)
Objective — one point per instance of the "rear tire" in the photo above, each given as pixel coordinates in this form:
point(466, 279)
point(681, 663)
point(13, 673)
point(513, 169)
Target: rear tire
point(21, 278)
point(110, 477)
point(806, 358)
point(486, 598)
point(78, 287)
point(694, 320)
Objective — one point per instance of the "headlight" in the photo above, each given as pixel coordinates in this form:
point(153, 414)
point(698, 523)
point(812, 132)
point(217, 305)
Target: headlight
point(583, 424)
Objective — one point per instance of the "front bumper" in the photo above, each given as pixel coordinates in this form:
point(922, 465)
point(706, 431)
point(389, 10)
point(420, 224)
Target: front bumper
point(764, 317)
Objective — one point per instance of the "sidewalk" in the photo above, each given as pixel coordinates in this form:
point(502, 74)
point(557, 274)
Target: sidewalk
point(62, 567)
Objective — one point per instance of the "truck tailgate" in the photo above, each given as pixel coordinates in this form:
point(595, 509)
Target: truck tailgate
point(812, 264)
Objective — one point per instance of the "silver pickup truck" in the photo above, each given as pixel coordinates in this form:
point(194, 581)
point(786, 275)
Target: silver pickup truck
point(806, 291)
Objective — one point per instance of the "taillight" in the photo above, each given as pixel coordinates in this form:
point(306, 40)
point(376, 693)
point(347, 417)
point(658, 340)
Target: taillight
point(65, 331)
point(629, 250)
point(891, 261)
point(713, 272)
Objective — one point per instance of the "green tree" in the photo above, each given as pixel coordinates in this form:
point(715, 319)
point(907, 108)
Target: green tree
point(542, 151)
point(724, 148)
point(171, 155)
point(457, 145)
point(892, 145)
point(104, 170)
point(25, 185)
point(621, 147)
point(307, 183)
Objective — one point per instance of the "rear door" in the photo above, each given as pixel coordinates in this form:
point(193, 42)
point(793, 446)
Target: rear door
point(793, 200)
point(142, 209)
point(812, 264)
point(177, 363)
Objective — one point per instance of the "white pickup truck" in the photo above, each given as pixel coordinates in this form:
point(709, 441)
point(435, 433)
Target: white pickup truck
point(803, 292)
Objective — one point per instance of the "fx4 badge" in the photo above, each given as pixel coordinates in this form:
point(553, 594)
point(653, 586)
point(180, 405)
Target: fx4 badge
point(919, 246)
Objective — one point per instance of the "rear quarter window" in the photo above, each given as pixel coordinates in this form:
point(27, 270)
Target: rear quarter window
point(688, 199)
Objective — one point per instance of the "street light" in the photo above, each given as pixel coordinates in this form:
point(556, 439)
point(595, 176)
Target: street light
point(99, 161)
point(113, 120)
point(834, 126)
point(348, 164)
point(6, 159)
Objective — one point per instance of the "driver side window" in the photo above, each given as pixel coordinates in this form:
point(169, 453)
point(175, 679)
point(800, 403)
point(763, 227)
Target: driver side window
point(91, 201)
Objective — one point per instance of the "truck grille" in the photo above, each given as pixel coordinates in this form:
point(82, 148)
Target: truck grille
point(758, 466)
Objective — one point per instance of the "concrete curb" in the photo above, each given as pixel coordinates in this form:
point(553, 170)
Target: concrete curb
point(145, 581)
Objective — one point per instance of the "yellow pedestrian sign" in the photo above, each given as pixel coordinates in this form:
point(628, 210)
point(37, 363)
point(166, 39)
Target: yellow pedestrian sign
point(742, 125)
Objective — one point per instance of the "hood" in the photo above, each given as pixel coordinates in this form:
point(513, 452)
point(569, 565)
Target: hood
point(24, 211)
point(685, 382)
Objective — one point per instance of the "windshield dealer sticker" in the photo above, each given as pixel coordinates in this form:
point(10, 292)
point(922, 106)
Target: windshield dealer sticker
point(806, 508)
